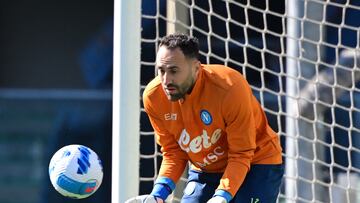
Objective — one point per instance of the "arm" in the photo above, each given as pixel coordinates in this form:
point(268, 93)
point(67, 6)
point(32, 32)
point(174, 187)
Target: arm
point(241, 135)
point(174, 159)
point(173, 163)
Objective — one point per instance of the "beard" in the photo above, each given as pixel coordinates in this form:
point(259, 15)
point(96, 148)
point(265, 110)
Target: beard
point(180, 90)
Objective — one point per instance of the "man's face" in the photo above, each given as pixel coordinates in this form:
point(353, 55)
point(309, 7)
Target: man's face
point(177, 73)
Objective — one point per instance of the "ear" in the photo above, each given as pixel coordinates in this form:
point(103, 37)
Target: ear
point(196, 64)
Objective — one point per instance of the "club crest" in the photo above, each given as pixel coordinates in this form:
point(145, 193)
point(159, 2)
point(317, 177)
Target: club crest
point(205, 117)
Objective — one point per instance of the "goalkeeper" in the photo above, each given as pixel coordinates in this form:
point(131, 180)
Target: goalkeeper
point(207, 114)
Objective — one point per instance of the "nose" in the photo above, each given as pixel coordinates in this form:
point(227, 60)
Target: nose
point(166, 78)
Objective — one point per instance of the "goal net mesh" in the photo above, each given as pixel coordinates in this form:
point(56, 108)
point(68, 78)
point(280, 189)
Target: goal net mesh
point(318, 41)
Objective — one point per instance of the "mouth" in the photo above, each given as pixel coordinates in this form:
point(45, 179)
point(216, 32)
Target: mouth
point(170, 90)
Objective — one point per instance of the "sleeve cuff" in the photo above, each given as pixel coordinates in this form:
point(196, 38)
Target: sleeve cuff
point(166, 181)
point(225, 194)
point(163, 187)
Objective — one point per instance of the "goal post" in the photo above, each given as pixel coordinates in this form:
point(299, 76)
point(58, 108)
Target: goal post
point(301, 59)
point(126, 104)
point(294, 8)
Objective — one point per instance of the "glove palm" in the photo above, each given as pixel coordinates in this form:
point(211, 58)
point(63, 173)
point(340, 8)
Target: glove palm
point(217, 199)
point(144, 199)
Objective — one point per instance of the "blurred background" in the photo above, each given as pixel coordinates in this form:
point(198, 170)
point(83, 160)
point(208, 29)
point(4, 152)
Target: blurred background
point(55, 89)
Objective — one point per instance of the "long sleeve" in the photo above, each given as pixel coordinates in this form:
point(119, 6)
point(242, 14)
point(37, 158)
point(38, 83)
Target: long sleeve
point(174, 159)
point(241, 136)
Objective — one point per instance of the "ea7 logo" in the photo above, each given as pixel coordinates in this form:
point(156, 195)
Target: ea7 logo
point(170, 116)
point(83, 161)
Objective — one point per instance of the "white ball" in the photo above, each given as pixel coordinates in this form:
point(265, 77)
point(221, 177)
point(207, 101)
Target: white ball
point(76, 171)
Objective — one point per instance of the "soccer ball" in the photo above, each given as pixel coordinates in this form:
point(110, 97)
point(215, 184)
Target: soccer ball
point(75, 171)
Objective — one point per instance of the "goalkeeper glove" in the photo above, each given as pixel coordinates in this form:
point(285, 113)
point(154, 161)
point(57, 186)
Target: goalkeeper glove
point(221, 196)
point(145, 199)
point(217, 199)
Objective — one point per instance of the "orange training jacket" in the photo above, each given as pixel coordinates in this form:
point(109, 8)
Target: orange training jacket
point(218, 127)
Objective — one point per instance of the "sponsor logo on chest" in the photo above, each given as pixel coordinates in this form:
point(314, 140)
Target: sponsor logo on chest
point(199, 142)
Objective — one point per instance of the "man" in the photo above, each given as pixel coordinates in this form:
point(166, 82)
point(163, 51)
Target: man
point(206, 114)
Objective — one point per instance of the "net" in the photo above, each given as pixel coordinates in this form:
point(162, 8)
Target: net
point(301, 59)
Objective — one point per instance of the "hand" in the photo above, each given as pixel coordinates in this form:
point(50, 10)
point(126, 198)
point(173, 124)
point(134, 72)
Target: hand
point(217, 199)
point(145, 199)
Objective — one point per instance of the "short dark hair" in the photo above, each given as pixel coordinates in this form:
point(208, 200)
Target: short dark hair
point(188, 45)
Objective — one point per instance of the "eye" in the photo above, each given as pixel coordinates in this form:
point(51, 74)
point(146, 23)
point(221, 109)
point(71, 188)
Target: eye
point(173, 71)
point(161, 71)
